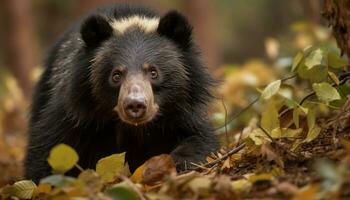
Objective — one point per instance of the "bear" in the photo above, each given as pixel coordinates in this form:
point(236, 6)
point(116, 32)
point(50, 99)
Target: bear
point(122, 79)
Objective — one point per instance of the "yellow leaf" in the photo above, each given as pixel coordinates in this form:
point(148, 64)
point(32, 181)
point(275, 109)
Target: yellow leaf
point(241, 185)
point(271, 89)
point(296, 61)
point(23, 189)
point(311, 119)
point(269, 118)
point(137, 175)
point(312, 134)
point(62, 158)
point(199, 183)
point(111, 166)
point(334, 77)
point(325, 92)
point(260, 177)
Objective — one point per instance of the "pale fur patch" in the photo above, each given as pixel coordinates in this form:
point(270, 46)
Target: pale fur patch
point(144, 23)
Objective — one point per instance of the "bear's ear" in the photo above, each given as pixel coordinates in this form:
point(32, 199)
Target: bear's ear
point(175, 26)
point(94, 30)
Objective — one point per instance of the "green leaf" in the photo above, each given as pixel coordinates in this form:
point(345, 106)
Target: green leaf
point(269, 118)
point(111, 166)
point(122, 191)
point(58, 180)
point(296, 60)
point(62, 158)
point(271, 89)
point(316, 58)
point(316, 74)
point(335, 61)
point(325, 92)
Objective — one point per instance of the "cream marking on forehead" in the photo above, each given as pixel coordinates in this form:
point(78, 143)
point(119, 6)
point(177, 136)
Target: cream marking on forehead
point(144, 23)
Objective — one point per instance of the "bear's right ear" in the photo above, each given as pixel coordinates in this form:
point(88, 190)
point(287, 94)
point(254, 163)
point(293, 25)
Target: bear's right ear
point(94, 30)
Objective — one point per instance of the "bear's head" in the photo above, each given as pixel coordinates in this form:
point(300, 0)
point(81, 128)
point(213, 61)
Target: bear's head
point(138, 66)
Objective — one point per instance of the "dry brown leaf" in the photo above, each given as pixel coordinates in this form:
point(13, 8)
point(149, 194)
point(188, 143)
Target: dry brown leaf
point(157, 168)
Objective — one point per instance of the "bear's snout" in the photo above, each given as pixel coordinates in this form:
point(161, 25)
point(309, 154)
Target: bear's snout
point(135, 106)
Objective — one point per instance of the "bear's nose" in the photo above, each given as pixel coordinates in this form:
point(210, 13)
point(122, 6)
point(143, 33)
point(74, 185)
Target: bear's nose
point(135, 107)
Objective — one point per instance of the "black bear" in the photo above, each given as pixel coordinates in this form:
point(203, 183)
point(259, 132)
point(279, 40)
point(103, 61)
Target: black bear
point(123, 79)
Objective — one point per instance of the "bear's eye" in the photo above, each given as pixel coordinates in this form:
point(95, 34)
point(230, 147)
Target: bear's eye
point(153, 73)
point(117, 75)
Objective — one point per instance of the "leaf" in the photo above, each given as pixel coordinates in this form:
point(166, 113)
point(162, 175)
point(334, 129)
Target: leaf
point(122, 191)
point(334, 77)
point(316, 74)
point(269, 118)
point(91, 181)
point(312, 134)
point(62, 158)
point(260, 177)
point(311, 119)
point(325, 92)
point(315, 58)
point(44, 188)
point(258, 137)
point(271, 89)
point(296, 116)
point(335, 61)
point(58, 180)
point(296, 60)
point(199, 183)
point(241, 185)
point(111, 166)
point(23, 189)
point(308, 192)
point(137, 175)
point(157, 168)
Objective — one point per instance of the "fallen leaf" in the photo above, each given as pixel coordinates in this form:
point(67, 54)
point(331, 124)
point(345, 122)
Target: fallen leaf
point(111, 166)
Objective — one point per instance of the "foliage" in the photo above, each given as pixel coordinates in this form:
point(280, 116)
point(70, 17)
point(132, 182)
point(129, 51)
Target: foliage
point(277, 129)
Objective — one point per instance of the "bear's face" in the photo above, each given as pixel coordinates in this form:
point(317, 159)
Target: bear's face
point(138, 73)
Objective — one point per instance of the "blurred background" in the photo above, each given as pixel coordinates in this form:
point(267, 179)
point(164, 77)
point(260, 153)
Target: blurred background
point(245, 43)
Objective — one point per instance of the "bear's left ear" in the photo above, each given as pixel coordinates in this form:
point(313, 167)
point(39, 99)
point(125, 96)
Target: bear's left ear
point(175, 26)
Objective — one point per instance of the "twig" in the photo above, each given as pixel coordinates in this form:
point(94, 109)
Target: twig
point(266, 133)
point(239, 113)
point(226, 134)
point(249, 105)
point(232, 151)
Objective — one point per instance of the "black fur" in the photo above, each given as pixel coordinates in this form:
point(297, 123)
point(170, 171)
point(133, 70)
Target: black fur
point(73, 102)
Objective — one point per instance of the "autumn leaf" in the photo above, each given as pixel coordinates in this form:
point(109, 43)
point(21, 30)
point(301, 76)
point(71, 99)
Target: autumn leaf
point(22, 189)
point(297, 60)
point(269, 118)
point(62, 158)
point(157, 168)
point(111, 166)
point(271, 89)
